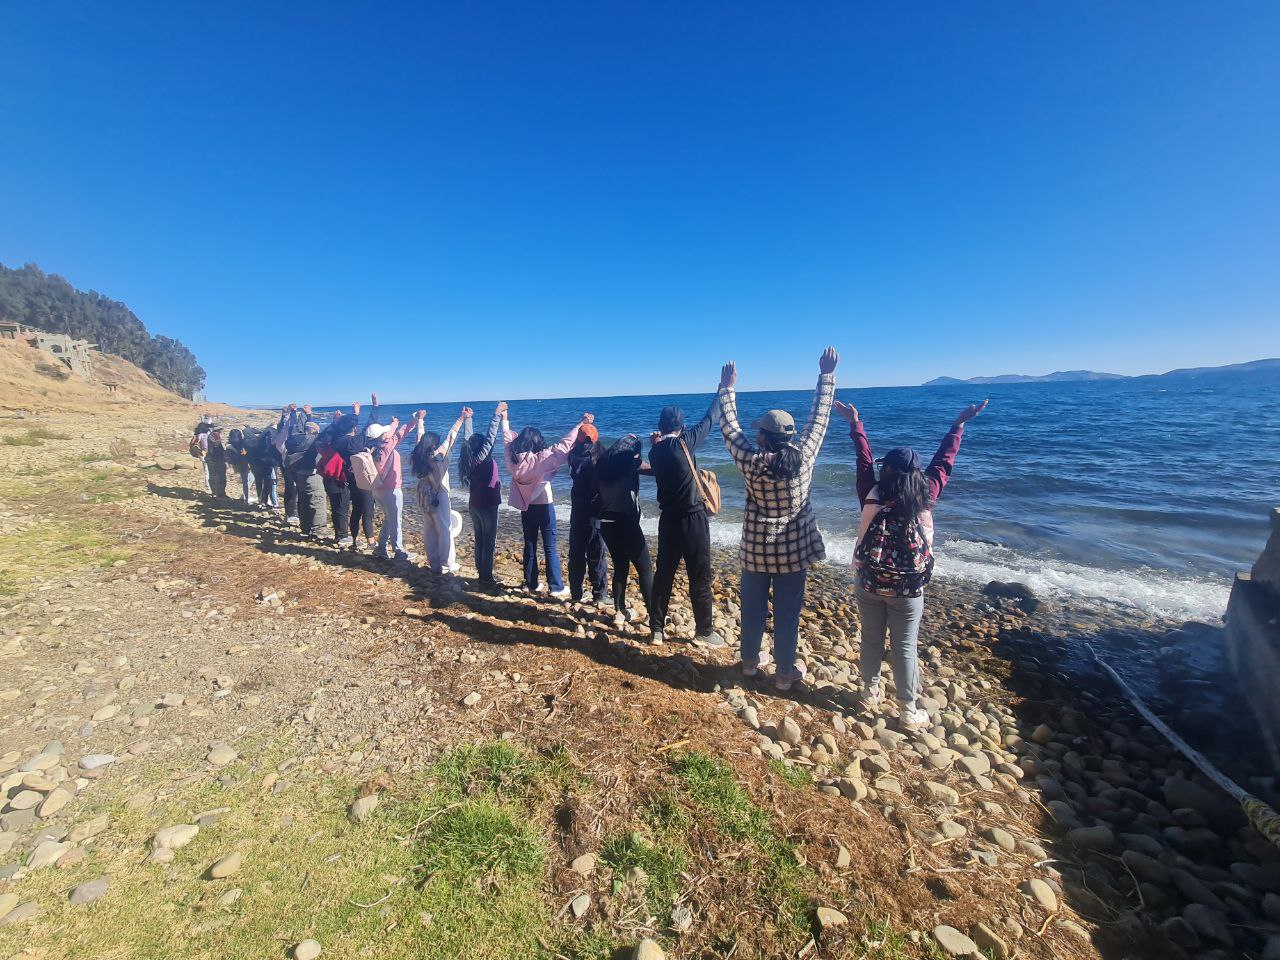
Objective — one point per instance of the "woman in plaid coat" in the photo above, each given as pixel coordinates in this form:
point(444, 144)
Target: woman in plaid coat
point(780, 537)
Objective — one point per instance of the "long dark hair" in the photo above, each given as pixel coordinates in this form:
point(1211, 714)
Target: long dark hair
point(621, 459)
point(906, 492)
point(469, 459)
point(784, 456)
point(420, 459)
point(529, 441)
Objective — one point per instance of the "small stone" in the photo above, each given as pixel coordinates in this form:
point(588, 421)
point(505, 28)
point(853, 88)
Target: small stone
point(362, 808)
point(7, 902)
point(829, 918)
point(1092, 838)
point(989, 941)
point(681, 918)
point(307, 950)
point(21, 913)
point(1041, 893)
point(789, 732)
point(175, 837)
point(955, 943)
point(843, 858)
point(951, 830)
point(1001, 838)
point(1042, 734)
point(648, 949)
point(227, 866)
point(96, 761)
point(471, 699)
point(220, 754)
point(230, 898)
point(25, 800)
point(55, 801)
point(579, 905)
point(584, 864)
point(88, 891)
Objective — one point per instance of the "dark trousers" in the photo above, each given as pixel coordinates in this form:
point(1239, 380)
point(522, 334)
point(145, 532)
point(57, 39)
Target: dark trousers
point(290, 494)
point(217, 477)
point(540, 519)
point(684, 537)
point(484, 521)
point(628, 548)
point(339, 506)
point(586, 554)
point(264, 475)
point(361, 511)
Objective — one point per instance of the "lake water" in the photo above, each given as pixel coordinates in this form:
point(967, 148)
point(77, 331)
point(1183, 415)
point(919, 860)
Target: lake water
point(1145, 493)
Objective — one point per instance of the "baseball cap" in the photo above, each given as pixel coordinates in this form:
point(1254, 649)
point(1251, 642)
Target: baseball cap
point(589, 431)
point(776, 421)
point(902, 459)
point(375, 431)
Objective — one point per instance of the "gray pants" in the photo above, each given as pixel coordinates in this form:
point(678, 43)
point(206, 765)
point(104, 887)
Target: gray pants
point(313, 504)
point(900, 617)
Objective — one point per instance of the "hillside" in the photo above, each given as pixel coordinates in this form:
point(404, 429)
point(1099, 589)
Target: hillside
point(48, 302)
point(31, 380)
point(1252, 368)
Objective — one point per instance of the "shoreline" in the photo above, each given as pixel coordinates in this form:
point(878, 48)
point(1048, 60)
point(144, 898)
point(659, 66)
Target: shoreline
point(185, 624)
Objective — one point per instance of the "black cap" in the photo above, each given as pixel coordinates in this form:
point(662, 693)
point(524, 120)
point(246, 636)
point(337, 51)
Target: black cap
point(902, 459)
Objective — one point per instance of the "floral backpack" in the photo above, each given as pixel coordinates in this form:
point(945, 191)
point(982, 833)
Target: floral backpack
point(894, 558)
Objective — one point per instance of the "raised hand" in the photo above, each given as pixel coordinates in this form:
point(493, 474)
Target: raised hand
point(466, 413)
point(728, 375)
point(827, 362)
point(501, 409)
point(654, 437)
point(374, 397)
point(588, 418)
point(355, 408)
point(971, 411)
point(420, 415)
point(846, 410)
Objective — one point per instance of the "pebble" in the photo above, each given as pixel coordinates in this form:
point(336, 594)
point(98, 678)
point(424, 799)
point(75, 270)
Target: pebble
point(648, 949)
point(1092, 838)
point(1041, 893)
point(471, 699)
point(829, 918)
point(579, 905)
point(1001, 838)
point(307, 950)
point(95, 761)
point(955, 943)
point(363, 807)
point(220, 754)
point(789, 732)
point(175, 837)
point(227, 866)
point(25, 800)
point(22, 913)
point(989, 941)
point(584, 864)
point(88, 891)
point(45, 854)
point(55, 801)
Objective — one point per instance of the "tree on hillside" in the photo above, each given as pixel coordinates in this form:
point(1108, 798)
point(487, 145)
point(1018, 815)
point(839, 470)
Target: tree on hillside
point(48, 302)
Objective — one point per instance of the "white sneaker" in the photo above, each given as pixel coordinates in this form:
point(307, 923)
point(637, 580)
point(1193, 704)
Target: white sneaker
point(913, 718)
point(293, 521)
point(561, 594)
point(872, 694)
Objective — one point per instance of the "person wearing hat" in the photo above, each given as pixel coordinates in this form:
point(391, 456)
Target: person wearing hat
point(348, 442)
point(684, 527)
point(586, 559)
point(215, 461)
point(430, 464)
point(780, 537)
point(387, 491)
point(894, 555)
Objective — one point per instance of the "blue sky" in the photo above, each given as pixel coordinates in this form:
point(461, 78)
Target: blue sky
point(528, 199)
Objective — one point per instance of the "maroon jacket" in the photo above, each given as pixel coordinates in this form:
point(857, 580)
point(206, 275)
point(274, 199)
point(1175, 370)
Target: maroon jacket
point(937, 473)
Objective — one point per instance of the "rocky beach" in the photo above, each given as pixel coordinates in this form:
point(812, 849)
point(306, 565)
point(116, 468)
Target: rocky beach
point(219, 738)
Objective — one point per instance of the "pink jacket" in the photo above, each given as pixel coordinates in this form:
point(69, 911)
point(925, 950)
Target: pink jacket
point(389, 474)
point(531, 473)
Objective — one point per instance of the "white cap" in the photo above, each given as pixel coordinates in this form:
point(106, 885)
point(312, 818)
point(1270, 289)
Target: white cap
point(375, 431)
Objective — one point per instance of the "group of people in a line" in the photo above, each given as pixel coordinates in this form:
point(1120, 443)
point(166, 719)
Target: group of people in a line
point(334, 474)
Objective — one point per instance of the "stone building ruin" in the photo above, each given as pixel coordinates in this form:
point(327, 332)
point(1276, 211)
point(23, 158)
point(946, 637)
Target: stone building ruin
point(76, 355)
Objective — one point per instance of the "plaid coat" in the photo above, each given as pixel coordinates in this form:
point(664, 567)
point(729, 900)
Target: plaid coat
point(779, 532)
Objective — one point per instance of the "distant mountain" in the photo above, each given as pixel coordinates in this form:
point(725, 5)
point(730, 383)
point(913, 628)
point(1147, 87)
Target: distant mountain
point(1230, 371)
point(1061, 376)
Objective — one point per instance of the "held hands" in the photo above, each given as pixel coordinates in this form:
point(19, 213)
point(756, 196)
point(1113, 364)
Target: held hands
point(420, 415)
point(971, 411)
point(728, 375)
point(588, 418)
point(827, 362)
point(501, 409)
point(846, 410)
point(465, 414)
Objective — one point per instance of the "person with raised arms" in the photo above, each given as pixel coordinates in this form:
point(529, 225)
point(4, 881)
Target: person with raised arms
point(780, 537)
point(893, 558)
point(387, 483)
point(532, 464)
point(430, 464)
point(479, 472)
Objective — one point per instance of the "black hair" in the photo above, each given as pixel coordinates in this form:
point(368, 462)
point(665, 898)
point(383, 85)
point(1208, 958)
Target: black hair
point(622, 458)
point(235, 437)
point(529, 441)
point(784, 456)
point(670, 419)
point(905, 492)
point(420, 459)
point(468, 460)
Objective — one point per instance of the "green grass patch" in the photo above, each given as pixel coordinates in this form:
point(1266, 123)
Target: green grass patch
point(32, 438)
point(791, 776)
point(52, 547)
point(444, 868)
point(662, 859)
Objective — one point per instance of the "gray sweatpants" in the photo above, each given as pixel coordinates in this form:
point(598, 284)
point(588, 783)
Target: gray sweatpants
point(900, 618)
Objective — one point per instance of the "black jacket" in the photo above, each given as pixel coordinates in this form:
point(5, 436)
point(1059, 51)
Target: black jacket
point(585, 494)
point(677, 489)
point(619, 487)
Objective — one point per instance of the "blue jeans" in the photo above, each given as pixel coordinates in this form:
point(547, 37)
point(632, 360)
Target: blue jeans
point(484, 520)
point(540, 518)
point(788, 598)
point(391, 535)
